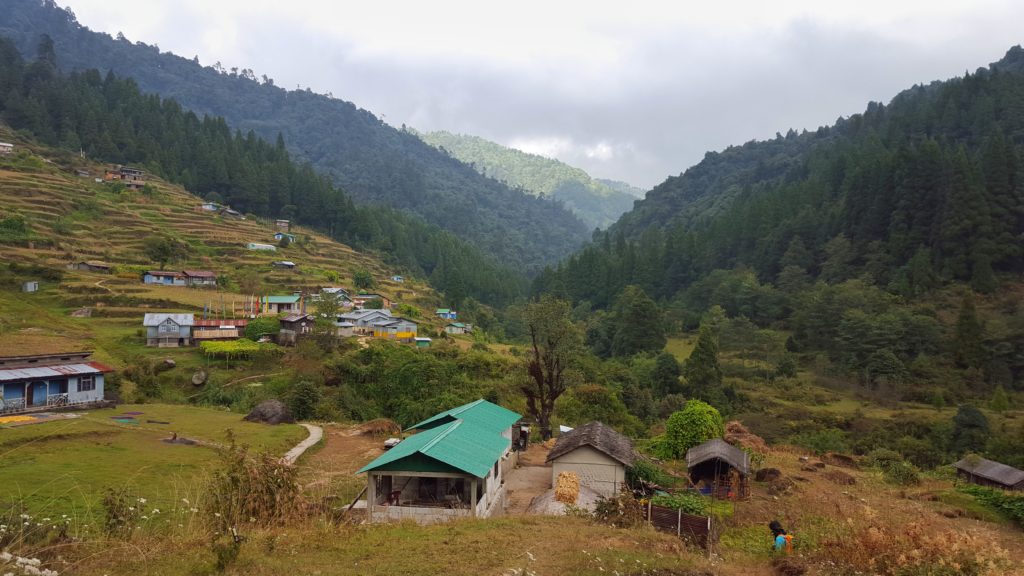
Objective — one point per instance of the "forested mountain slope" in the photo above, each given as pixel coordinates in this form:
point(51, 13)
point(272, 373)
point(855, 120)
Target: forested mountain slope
point(866, 242)
point(928, 188)
point(110, 120)
point(370, 160)
point(596, 203)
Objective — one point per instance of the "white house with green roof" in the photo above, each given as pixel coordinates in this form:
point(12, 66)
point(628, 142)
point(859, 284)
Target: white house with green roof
point(451, 468)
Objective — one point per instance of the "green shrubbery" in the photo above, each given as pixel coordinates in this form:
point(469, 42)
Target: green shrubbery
point(687, 502)
point(1009, 504)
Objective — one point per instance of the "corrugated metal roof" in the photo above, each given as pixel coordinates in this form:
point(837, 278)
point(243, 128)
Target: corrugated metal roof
point(165, 273)
point(281, 299)
point(58, 371)
point(991, 470)
point(156, 319)
point(218, 323)
point(480, 412)
point(296, 317)
point(199, 273)
point(462, 445)
point(718, 448)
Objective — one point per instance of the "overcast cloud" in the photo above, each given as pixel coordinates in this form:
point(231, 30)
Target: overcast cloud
point(633, 91)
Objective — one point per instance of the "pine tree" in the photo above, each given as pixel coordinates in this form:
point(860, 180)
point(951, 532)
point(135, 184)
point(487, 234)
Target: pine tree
point(702, 371)
point(968, 338)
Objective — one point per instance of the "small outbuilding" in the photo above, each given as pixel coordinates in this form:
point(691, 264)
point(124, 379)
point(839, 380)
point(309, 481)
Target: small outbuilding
point(281, 235)
point(422, 342)
point(719, 469)
point(263, 247)
point(345, 329)
point(455, 328)
point(94, 266)
point(984, 472)
point(284, 264)
point(281, 304)
point(200, 277)
point(295, 326)
point(30, 286)
point(6, 148)
point(597, 454)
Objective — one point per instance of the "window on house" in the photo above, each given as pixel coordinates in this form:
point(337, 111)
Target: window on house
point(87, 383)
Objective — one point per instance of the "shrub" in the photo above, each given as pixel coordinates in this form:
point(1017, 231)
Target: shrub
point(697, 422)
point(620, 511)
point(901, 473)
point(646, 471)
point(254, 489)
point(821, 441)
point(1006, 503)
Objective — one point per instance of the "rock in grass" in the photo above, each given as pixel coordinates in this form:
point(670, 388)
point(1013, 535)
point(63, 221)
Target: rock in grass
point(767, 474)
point(271, 412)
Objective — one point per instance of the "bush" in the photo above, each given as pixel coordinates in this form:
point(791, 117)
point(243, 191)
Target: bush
point(252, 489)
point(697, 422)
point(901, 473)
point(620, 511)
point(1006, 503)
point(645, 471)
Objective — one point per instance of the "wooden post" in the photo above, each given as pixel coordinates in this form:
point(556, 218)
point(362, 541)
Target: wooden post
point(679, 522)
point(371, 495)
point(472, 495)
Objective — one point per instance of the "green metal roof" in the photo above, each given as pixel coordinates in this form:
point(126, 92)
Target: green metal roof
point(458, 324)
point(442, 311)
point(281, 299)
point(458, 446)
point(480, 413)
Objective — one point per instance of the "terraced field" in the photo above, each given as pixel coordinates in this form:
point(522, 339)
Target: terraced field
point(73, 218)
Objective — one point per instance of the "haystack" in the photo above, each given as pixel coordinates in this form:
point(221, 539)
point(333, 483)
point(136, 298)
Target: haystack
point(738, 435)
point(567, 487)
point(380, 427)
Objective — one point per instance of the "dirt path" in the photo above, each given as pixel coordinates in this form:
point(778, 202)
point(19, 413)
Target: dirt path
point(531, 479)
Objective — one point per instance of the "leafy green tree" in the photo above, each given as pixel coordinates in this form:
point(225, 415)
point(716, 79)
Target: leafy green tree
point(694, 424)
point(303, 399)
point(666, 374)
point(165, 249)
point(555, 344)
point(264, 325)
point(970, 430)
point(363, 280)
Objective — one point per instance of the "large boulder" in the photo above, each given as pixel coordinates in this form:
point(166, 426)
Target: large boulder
point(271, 412)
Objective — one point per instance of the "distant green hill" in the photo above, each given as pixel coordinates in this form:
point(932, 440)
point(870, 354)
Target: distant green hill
point(624, 187)
point(598, 203)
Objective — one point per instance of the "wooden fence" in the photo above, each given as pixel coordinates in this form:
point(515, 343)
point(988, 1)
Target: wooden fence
point(697, 529)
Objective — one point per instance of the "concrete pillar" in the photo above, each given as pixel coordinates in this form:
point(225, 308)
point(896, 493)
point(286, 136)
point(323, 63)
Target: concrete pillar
point(371, 495)
point(472, 495)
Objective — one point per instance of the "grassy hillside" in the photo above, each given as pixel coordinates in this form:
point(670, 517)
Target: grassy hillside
point(594, 201)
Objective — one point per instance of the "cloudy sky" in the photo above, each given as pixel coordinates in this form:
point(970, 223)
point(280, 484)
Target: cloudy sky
point(634, 91)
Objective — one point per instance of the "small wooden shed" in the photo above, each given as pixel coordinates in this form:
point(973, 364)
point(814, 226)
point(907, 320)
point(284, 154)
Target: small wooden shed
point(597, 454)
point(719, 469)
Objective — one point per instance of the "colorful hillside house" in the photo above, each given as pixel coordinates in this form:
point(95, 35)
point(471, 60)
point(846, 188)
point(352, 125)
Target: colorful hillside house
point(47, 381)
point(447, 314)
point(168, 330)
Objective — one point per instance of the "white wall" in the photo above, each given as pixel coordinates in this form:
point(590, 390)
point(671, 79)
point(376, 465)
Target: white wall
point(74, 396)
point(595, 470)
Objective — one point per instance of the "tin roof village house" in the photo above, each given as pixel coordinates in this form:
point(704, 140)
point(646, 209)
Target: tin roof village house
point(719, 469)
point(218, 329)
point(6, 148)
point(168, 330)
point(279, 235)
point(281, 304)
point(41, 382)
point(597, 454)
point(295, 326)
point(978, 470)
point(446, 313)
point(131, 177)
point(93, 266)
point(164, 277)
point(454, 467)
point(200, 277)
point(401, 329)
point(263, 247)
point(363, 320)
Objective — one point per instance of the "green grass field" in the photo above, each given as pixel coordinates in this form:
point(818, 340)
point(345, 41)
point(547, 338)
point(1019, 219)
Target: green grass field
point(65, 466)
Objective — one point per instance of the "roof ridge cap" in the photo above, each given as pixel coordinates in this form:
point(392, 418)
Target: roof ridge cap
point(451, 427)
